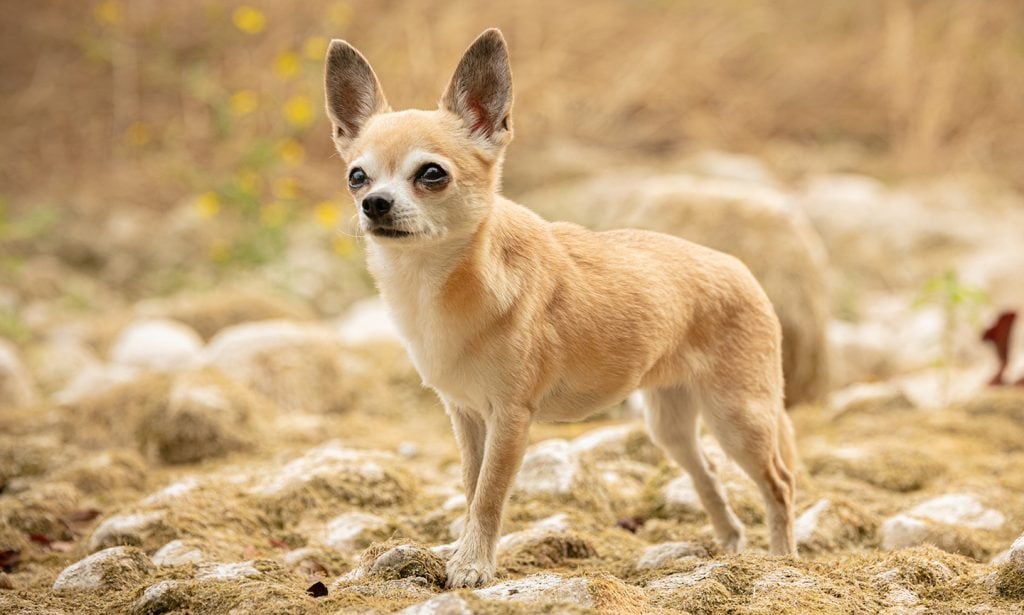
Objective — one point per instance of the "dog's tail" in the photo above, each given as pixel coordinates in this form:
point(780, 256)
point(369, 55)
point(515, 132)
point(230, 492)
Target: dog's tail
point(787, 443)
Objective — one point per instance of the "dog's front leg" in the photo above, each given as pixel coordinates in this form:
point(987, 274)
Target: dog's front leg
point(507, 431)
point(469, 431)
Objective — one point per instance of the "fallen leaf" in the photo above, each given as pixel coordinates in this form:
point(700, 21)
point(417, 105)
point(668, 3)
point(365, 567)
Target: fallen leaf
point(40, 539)
point(999, 335)
point(630, 524)
point(9, 558)
point(317, 590)
point(280, 544)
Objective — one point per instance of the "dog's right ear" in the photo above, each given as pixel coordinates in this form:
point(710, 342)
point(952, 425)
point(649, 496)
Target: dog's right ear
point(352, 91)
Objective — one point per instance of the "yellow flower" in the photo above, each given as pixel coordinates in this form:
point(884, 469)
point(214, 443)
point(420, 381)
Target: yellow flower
point(273, 214)
point(244, 102)
point(247, 181)
point(298, 111)
point(207, 204)
point(327, 214)
point(286, 64)
point(138, 134)
point(343, 245)
point(340, 13)
point(315, 47)
point(108, 12)
point(291, 152)
point(285, 188)
point(219, 251)
point(249, 20)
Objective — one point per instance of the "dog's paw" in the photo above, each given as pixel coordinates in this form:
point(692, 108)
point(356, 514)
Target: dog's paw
point(463, 573)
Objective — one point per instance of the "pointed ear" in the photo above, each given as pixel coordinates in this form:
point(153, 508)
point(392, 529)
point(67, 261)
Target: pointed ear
point(480, 91)
point(352, 91)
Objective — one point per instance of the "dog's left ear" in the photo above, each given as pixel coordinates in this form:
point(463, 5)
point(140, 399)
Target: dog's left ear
point(480, 91)
point(352, 92)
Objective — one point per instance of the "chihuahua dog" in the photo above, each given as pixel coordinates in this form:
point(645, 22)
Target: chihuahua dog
point(513, 319)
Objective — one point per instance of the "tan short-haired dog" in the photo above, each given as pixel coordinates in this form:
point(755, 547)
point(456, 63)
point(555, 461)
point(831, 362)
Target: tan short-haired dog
point(511, 318)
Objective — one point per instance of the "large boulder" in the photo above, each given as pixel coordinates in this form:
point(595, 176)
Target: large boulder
point(158, 344)
point(754, 223)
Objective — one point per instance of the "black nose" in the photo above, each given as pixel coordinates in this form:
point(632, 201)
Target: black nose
point(376, 205)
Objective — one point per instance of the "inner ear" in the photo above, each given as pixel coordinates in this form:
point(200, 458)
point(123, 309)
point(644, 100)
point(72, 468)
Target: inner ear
point(351, 89)
point(480, 91)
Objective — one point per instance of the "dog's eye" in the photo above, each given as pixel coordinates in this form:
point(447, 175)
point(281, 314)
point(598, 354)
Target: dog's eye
point(357, 178)
point(431, 175)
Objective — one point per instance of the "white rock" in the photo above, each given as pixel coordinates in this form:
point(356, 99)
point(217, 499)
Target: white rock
point(807, 524)
point(443, 604)
point(162, 597)
point(902, 531)
point(625, 480)
point(679, 580)
point(16, 387)
point(232, 347)
point(157, 344)
point(680, 496)
point(129, 529)
point(354, 531)
point(178, 553)
point(174, 492)
point(737, 167)
point(550, 469)
point(234, 571)
point(783, 578)
point(547, 588)
point(961, 509)
point(617, 443)
point(104, 570)
point(95, 379)
point(324, 462)
point(367, 322)
point(656, 556)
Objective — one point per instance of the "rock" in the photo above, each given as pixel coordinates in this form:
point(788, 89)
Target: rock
point(625, 480)
point(208, 313)
point(961, 509)
point(114, 568)
point(367, 322)
point(602, 592)
point(233, 571)
point(156, 344)
point(330, 474)
point(759, 225)
point(680, 498)
point(136, 530)
point(300, 367)
point(904, 531)
point(896, 468)
point(95, 380)
point(59, 359)
point(782, 578)
point(16, 386)
point(873, 397)
point(680, 580)
point(391, 561)
point(444, 604)
point(104, 472)
point(833, 524)
point(206, 416)
point(355, 531)
point(162, 597)
point(551, 471)
point(656, 556)
point(617, 443)
point(178, 553)
point(1010, 576)
point(542, 547)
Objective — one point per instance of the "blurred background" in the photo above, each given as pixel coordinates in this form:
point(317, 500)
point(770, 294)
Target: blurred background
point(174, 220)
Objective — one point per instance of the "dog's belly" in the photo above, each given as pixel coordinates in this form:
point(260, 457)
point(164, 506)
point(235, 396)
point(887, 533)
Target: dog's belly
point(563, 404)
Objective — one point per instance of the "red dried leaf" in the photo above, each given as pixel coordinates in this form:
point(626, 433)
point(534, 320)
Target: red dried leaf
point(9, 558)
point(317, 590)
point(40, 539)
point(999, 335)
point(630, 524)
point(280, 544)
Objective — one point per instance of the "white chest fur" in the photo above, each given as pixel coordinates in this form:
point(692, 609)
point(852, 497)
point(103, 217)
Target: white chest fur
point(411, 284)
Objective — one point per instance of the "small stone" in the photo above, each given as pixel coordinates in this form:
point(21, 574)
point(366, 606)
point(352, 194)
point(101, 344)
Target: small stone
point(551, 470)
point(6, 582)
point(178, 553)
point(681, 498)
point(157, 344)
point(961, 509)
point(617, 443)
point(130, 529)
point(407, 561)
point(355, 531)
point(903, 531)
point(234, 571)
point(162, 597)
point(1010, 576)
point(831, 524)
point(666, 553)
point(109, 569)
point(679, 580)
point(546, 588)
point(541, 547)
point(444, 604)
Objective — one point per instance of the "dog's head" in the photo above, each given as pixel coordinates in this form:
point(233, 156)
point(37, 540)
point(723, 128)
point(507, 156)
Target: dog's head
point(420, 177)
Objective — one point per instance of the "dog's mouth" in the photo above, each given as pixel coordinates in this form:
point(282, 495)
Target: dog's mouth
point(390, 233)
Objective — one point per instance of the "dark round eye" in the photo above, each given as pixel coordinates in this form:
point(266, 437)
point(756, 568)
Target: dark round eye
point(357, 178)
point(431, 174)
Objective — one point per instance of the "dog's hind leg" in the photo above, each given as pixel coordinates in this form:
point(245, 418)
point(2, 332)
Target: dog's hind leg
point(672, 423)
point(749, 432)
